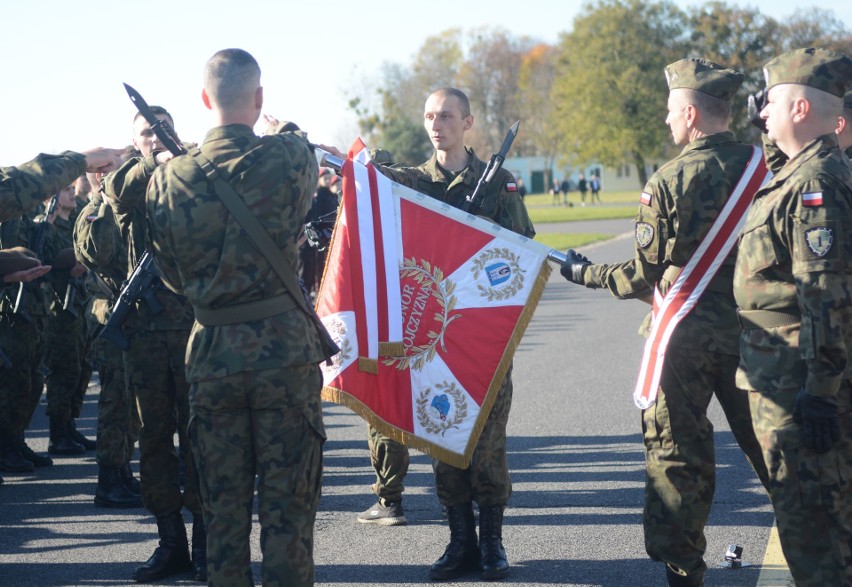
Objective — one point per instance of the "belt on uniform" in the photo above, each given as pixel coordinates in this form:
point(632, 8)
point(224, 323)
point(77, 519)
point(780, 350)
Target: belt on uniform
point(760, 319)
point(246, 312)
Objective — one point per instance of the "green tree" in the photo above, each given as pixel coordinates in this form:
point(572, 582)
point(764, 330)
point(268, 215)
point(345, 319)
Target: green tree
point(610, 92)
point(739, 38)
point(816, 27)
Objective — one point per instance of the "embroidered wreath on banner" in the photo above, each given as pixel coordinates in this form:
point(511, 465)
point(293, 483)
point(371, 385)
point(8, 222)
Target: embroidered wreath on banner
point(439, 426)
point(442, 291)
point(508, 290)
point(338, 331)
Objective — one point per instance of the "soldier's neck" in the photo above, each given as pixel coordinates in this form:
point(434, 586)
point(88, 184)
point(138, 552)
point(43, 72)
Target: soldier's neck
point(454, 160)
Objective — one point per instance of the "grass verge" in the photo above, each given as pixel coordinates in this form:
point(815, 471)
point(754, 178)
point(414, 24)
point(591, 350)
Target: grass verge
point(562, 240)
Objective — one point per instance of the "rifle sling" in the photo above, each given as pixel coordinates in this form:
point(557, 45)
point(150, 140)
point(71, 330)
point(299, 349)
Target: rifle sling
point(261, 239)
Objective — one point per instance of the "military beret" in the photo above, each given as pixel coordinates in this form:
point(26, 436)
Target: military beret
point(822, 69)
point(847, 100)
point(704, 76)
point(17, 259)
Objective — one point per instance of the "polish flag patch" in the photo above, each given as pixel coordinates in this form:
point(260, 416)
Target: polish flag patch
point(511, 186)
point(812, 199)
point(645, 198)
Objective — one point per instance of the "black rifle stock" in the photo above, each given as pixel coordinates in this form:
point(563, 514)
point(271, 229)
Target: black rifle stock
point(139, 286)
point(39, 240)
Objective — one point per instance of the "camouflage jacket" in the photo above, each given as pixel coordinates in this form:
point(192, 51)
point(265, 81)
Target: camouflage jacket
point(796, 257)
point(204, 253)
point(125, 191)
point(98, 245)
point(681, 201)
point(21, 232)
point(501, 204)
point(24, 187)
point(59, 280)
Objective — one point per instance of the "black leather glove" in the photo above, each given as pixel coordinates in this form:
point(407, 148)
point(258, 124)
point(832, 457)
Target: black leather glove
point(819, 420)
point(574, 266)
point(756, 103)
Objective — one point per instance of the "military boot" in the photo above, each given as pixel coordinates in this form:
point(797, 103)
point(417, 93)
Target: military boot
point(112, 492)
point(199, 548)
point(11, 459)
point(461, 555)
point(171, 556)
point(36, 459)
point(492, 555)
point(78, 437)
point(131, 482)
point(60, 443)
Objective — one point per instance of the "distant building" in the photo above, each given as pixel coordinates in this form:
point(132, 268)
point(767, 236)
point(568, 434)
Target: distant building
point(538, 174)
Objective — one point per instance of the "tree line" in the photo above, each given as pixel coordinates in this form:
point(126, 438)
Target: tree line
point(598, 94)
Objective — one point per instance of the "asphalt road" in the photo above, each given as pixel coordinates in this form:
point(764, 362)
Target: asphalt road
point(575, 455)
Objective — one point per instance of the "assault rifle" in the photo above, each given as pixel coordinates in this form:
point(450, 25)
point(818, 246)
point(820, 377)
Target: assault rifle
point(39, 240)
point(143, 279)
point(140, 285)
point(474, 200)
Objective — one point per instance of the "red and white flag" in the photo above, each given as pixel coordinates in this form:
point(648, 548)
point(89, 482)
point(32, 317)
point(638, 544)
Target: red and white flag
point(695, 276)
point(428, 304)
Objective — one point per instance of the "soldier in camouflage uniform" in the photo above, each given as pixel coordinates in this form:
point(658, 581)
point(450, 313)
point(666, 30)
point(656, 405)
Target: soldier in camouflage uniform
point(24, 188)
point(844, 134)
point(66, 357)
point(450, 175)
point(155, 375)
point(98, 245)
point(680, 203)
point(253, 354)
point(22, 340)
point(792, 286)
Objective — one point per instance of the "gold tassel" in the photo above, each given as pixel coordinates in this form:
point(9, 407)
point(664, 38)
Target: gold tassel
point(391, 349)
point(367, 365)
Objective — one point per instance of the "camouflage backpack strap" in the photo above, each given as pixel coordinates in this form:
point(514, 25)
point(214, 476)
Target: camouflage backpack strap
point(265, 246)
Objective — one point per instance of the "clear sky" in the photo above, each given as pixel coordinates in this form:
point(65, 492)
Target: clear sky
point(64, 62)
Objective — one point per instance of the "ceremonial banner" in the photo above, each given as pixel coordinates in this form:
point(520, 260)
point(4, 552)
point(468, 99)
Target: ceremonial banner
point(694, 278)
point(427, 304)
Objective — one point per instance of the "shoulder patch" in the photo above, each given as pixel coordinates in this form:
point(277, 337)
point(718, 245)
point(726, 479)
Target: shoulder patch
point(645, 198)
point(812, 199)
point(511, 186)
point(644, 234)
point(819, 240)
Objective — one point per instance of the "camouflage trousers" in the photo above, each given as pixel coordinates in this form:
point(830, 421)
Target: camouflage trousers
point(810, 492)
point(68, 367)
point(21, 383)
point(155, 375)
point(680, 459)
point(390, 460)
point(265, 425)
point(118, 419)
point(486, 481)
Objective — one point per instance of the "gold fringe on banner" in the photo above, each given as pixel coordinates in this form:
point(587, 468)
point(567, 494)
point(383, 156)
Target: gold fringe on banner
point(461, 461)
point(391, 349)
point(368, 365)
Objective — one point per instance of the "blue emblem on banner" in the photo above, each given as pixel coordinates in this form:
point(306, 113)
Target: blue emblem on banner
point(441, 405)
point(498, 273)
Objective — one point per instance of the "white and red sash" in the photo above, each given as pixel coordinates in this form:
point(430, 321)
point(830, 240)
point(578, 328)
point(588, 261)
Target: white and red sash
point(695, 276)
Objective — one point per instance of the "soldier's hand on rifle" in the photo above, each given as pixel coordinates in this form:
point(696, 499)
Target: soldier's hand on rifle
point(756, 104)
point(163, 156)
point(819, 420)
point(101, 160)
point(574, 266)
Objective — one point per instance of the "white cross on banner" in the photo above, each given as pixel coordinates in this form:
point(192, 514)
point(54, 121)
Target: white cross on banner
point(428, 304)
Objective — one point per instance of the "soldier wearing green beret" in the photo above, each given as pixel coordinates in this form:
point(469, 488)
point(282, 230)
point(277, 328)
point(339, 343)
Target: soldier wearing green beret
point(679, 205)
point(792, 287)
point(253, 353)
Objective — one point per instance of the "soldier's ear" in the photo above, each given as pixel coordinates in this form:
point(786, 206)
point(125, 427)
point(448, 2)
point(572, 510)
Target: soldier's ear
point(258, 98)
point(206, 99)
point(468, 122)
